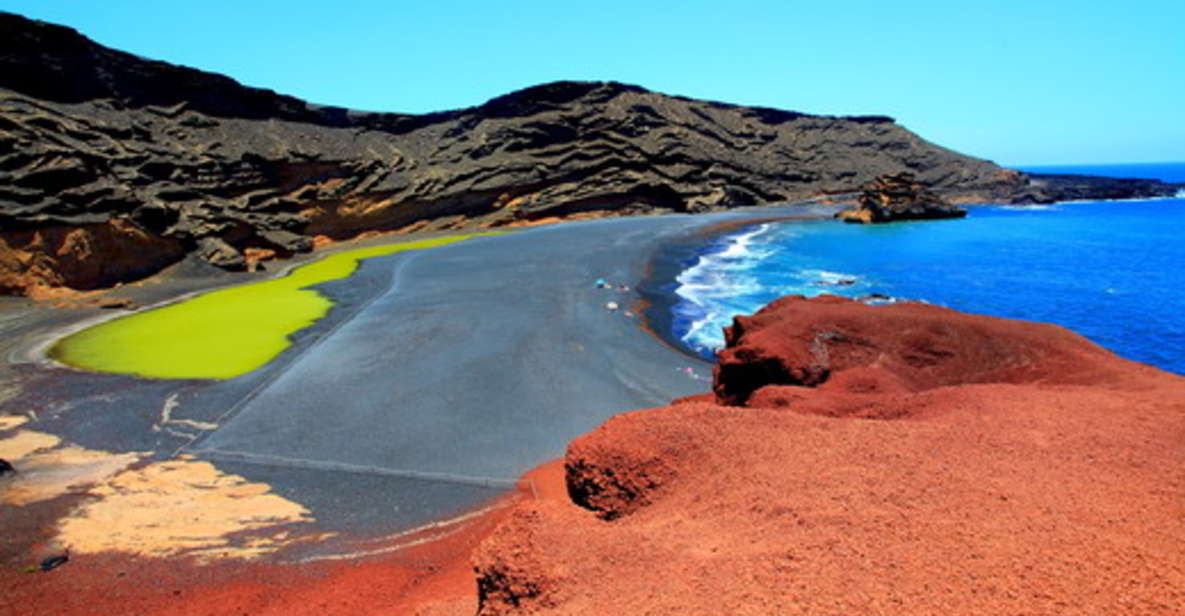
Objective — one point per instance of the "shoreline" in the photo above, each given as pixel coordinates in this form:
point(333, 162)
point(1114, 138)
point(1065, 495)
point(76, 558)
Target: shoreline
point(290, 295)
point(621, 370)
point(654, 305)
point(739, 503)
point(454, 582)
point(668, 260)
point(806, 266)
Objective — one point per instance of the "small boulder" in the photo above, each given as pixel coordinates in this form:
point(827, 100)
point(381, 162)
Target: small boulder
point(217, 252)
point(50, 563)
point(116, 303)
point(287, 241)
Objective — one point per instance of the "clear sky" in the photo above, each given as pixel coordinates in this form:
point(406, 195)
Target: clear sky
point(1018, 82)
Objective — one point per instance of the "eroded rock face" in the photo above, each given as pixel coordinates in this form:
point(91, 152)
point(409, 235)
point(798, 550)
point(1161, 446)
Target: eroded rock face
point(510, 580)
point(899, 197)
point(618, 480)
point(1010, 465)
point(90, 134)
point(37, 260)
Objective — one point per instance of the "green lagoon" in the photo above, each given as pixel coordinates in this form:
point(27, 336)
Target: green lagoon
point(221, 334)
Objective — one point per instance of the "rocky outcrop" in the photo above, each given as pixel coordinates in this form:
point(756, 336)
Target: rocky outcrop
point(90, 135)
point(1043, 188)
point(870, 459)
point(903, 346)
point(37, 261)
point(899, 197)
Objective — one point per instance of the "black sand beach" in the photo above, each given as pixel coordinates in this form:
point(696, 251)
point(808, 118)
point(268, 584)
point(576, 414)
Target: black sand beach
point(438, 378)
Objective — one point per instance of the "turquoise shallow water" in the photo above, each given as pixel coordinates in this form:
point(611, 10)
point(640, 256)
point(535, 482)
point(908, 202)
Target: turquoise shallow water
point(1111, 271)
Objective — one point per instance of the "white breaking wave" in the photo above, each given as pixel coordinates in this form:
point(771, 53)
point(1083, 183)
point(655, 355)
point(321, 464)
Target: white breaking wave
point(715, 278)
point(740, 274)
point(729, 280)
point(1034, 208)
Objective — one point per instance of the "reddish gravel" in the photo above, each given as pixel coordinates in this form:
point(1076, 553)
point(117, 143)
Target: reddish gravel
point(943, 464)
point(435, 579)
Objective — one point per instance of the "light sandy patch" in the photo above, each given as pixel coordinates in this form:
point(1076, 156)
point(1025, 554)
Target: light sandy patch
point(8, 422)
point(43, 476)
point(183, 507)
point(24, 443)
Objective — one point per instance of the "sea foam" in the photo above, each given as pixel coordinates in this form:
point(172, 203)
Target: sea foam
point(1108, 270)
point(739, 274)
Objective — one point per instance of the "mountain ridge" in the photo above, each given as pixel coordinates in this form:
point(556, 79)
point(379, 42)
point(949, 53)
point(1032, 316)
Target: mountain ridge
point(113, 166)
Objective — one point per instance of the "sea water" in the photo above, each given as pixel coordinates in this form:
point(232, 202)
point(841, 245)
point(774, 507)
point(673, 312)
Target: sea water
point(1112, 271)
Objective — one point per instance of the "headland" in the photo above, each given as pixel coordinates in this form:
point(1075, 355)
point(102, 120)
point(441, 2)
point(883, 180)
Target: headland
point(115, 166)
point(839, 458)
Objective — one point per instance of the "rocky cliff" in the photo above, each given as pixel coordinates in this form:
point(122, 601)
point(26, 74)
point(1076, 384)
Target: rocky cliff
point(143, 162)
point(853, 459)
point(899, 197)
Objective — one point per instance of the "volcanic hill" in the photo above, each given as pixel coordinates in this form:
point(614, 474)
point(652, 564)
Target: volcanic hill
point(113, 166)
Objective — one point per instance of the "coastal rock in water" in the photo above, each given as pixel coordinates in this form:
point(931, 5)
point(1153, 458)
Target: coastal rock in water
point(1042, 188)
point(899, 197)
point(934, 454)
point(1034, 196)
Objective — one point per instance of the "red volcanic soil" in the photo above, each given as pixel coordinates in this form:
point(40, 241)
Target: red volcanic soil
point(434, 579)
point(901, 459)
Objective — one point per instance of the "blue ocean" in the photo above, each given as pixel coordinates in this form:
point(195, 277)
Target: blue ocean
point(1111, 271)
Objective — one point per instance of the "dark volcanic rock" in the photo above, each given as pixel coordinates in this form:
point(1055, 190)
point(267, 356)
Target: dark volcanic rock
point(217, 252)
point(90, 136)
point(287, 241)
point(1048, 188)
point(899, 197)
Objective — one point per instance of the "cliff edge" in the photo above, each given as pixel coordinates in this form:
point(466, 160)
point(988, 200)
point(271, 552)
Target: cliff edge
point(902, 459)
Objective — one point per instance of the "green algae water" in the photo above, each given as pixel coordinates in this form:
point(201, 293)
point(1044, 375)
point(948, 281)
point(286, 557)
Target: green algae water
point(221, 334)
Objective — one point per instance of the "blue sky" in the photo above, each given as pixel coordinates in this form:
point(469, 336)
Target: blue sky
point(1017, 82)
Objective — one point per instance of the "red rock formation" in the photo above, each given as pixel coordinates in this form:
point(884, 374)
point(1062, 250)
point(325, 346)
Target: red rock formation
point(910, 346)
point(1013, 468)
point(34, 261)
